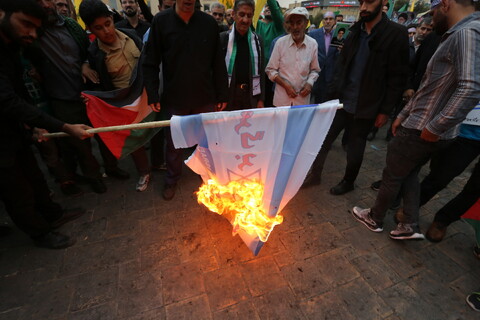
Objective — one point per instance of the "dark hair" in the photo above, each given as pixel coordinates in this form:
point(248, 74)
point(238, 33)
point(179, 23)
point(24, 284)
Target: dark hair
point(28, 7)
point(403, 15)
point(92, 9)
point(342, 29)
point(427, 20)
point(239, 3)
point(339, 15)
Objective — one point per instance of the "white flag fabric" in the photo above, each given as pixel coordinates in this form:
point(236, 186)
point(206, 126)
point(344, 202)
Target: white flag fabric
point(275, 146)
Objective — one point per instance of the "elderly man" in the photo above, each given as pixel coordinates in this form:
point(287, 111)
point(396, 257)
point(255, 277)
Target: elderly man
point(244, 60)
point(327, 56)
point(62, 7)
point(217, 10)
point(293, 65)
point(449, 90)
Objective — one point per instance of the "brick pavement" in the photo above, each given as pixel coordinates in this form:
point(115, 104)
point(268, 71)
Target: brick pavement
point(139, 257)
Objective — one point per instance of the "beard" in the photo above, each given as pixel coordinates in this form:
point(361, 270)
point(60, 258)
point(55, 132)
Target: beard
point(9, 32)
point(130, 12)
point(371, 15)
point(440, 24)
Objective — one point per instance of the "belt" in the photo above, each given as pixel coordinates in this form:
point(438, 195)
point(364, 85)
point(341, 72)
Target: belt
point(242, 86)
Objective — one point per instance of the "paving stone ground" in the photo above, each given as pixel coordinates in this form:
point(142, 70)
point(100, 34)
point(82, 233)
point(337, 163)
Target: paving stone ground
point(140, 257)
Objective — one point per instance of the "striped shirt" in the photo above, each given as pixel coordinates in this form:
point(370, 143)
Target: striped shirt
point(450, 87)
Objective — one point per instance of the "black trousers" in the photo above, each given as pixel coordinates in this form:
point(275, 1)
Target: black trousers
point(26, 195)
point(446, 164)
point(358, 130)
point(470, 194)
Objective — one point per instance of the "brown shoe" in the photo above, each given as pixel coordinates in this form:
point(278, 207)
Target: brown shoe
point(169, 191)
point(436, 232)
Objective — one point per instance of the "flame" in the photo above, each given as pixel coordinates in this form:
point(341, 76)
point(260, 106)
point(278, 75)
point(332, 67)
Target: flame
point(242, 202)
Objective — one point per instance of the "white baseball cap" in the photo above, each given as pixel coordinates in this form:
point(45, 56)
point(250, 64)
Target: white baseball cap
point(300, 11)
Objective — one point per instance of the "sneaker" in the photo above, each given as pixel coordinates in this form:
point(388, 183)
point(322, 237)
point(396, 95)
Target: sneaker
point(376, 185)
point(142, 183)
point(363, 215)
point(473, 300)
point(406, 231)
point(70, 188)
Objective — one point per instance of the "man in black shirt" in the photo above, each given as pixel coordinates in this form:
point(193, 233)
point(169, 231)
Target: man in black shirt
point(244, 60)
point(186, 42)
point(130, 9)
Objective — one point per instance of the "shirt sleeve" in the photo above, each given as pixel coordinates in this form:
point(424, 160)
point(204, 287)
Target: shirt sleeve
point(467, 93)
point(273, 64)
point(314, 67)
point(151, 64)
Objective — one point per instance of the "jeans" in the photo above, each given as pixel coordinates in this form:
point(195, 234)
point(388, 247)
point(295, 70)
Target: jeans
point(446, 165)
point(358, 130)
point(406, 154)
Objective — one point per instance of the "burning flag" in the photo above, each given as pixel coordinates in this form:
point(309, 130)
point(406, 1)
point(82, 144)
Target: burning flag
point(253, 161)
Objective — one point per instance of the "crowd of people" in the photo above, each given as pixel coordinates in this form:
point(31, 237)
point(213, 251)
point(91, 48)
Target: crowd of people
point(425, 79)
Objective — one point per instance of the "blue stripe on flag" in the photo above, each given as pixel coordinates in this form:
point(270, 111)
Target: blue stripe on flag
point(194, 133)
point(298, 124)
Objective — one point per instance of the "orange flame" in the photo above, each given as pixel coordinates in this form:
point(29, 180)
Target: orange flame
point(242, 202)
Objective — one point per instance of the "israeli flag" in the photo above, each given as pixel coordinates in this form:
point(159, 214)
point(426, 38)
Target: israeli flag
point(275, 146)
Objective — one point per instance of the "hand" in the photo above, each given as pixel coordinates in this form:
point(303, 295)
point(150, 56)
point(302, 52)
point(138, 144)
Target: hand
point(260, 104)
point(395, 125)
point(221, 106)
point(307, 88)
point(38, 134)
point(428, 136)
point(89, 74)
point(408, 94)
point(155, 106)
point(85, 99)
point(77, 130)
point(381, 120)
point(290, 91)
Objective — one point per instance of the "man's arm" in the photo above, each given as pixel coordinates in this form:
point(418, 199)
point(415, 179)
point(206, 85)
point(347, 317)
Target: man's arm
point(277, 15)
point(261, 70)
point(220, 76)
point(467, 93)
point(313, 75)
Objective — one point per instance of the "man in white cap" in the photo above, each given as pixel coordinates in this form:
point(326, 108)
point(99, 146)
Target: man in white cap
point(293, 64)
point(327, 55)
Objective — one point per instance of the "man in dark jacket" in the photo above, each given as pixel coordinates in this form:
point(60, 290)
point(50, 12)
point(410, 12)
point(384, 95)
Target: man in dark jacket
point(23, 188)
point(370, 77)
point(244, 58)
point(186, 42)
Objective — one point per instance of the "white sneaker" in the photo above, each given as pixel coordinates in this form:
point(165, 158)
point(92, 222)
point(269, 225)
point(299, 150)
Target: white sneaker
point(363, 215)
point(406, 231)
point(142, 183)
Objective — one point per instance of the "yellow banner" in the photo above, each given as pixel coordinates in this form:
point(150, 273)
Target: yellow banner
point(258, 9)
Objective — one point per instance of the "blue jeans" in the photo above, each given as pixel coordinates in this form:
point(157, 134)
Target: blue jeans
point(406, 154)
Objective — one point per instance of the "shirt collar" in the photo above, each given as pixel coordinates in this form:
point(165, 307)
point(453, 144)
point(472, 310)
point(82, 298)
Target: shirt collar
point(108, 48)
point(292, 42)
point(461, 23)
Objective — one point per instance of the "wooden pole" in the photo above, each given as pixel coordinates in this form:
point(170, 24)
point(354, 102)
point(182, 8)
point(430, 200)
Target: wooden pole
point(144, 125)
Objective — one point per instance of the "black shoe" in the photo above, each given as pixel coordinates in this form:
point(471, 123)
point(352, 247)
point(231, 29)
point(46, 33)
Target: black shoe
point(342, 188)
point(169, 191)
point(53, 240)
point(97, 185)
point(376, 185)
point(70, 188)
point(68, 215)
point(311, 180)
point(117, 173)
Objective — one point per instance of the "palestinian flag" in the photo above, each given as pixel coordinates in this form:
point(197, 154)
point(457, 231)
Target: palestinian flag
point(472, 216)
point(120, 107)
